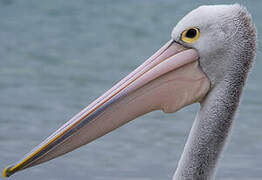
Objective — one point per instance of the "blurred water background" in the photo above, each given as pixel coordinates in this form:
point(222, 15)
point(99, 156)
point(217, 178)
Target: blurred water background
point(57, 56)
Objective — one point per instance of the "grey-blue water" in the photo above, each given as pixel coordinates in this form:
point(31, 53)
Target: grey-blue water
point(57, 56)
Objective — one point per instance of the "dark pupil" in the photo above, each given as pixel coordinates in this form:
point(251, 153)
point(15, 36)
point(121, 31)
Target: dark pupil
point(191, 33)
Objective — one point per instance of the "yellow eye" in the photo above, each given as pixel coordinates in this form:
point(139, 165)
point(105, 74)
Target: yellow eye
point(190, 35)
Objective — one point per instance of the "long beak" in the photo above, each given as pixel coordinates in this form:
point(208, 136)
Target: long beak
point(169, 80)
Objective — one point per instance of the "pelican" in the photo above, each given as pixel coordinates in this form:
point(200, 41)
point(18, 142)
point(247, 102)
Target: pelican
point(206, 61)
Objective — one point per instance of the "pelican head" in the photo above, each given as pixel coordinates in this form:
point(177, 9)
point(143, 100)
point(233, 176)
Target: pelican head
point(226, 34)
point(206, 61)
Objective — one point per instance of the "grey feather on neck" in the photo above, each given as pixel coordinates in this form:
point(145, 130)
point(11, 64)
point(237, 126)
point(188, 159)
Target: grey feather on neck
point(214, 121)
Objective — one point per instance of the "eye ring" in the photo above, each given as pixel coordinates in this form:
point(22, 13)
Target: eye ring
point(190, 35)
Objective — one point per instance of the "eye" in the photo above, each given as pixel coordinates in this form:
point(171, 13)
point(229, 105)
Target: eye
point(190, 35)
